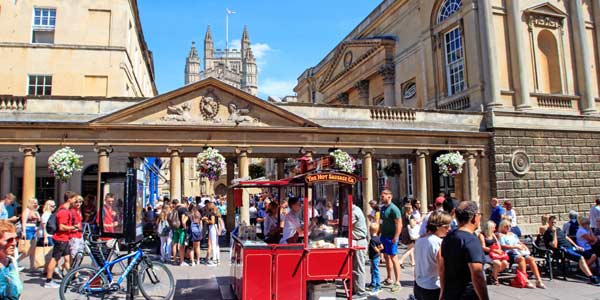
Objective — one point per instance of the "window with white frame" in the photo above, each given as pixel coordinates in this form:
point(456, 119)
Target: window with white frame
point(448, 8)
point(455, 61)
point(40, 85)
point(44, 23)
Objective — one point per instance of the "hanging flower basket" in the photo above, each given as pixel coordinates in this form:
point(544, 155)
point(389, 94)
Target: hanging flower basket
point(343, 161)
point(450, 164)
point(63, 163)
point(211, 163)
point(392, 170)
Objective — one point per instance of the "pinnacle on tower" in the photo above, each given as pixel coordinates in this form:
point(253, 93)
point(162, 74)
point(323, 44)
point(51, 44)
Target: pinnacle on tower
point(245, 36)
point(208, 36)
point(193, 52)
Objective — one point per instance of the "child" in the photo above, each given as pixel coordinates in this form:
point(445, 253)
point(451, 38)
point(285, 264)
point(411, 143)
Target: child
point(375, 248)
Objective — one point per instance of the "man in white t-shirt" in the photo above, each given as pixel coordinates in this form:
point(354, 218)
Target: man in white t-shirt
point(595, 214)
point(292, 228)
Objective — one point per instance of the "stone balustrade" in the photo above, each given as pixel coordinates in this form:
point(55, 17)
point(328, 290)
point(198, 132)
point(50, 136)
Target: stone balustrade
point(555, 101)
point(393, 114)
point(8, 102)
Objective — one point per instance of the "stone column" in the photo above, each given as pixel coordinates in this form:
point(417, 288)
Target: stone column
point(280, 168)
point(583, 58)
point(484, 184)
point(230, 221)
point(490, 62)
point(422, 178)
point(175, 173)
point(519, 53)
point(363, 92)
point(103, 166)
point(367, 183)
point(6, 175)
point(28, 172)
point(244, 172)
point(473, 176)
point(388, 72)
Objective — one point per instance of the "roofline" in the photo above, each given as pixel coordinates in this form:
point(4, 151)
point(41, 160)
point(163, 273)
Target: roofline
point(217, 83)
point(148, 57)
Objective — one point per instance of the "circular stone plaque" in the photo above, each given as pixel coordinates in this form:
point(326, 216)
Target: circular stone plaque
point(520, 162)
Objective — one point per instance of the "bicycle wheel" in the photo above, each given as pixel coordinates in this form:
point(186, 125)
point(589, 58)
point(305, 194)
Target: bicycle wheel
point(156, 281)
point(72, 285)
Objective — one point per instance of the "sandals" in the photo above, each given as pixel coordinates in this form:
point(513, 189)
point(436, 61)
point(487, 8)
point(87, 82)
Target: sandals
point(387, 281)
point(540, 285)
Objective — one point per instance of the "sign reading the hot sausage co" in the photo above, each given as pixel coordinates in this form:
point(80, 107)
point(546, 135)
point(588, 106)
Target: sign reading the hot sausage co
point(337, 177)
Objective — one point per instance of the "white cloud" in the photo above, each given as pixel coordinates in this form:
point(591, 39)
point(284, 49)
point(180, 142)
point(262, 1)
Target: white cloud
point(260, 50)
point(235, 44)
point(278, 88)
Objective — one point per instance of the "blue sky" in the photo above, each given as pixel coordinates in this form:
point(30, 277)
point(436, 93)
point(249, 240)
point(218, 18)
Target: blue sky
point(288, 36)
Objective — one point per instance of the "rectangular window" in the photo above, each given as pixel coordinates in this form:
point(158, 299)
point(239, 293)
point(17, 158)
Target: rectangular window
point(44, 23)
point(40, 85)
point(455, 61)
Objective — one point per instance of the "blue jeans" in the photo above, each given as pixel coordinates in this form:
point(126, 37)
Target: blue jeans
point(375, 280)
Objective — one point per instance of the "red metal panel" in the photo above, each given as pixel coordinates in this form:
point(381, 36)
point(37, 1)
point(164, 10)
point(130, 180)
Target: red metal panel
point(237, 197)
point(257, 276)
point(328, 264)
point(289, 269)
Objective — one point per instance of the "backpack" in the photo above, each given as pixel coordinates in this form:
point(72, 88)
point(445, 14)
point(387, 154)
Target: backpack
point(52, 224)
point(174, 220)
point(164, 229)
point(195, 229)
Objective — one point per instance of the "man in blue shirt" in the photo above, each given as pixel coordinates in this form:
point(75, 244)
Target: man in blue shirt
point(11, 285)
point(497, 211)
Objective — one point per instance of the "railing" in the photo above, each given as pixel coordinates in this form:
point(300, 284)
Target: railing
point(460, 103)
point(8, 102)
point(555, 101)
point(393, 114)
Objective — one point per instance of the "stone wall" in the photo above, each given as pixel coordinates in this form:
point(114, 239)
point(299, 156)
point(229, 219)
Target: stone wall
point(563, 174)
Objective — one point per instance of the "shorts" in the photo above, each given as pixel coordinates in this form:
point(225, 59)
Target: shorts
point(389, 248)
point(571, 253)
point(513, 256)
point(30, 232)
point(179, 236)
point(61, 249)
point(76, 245)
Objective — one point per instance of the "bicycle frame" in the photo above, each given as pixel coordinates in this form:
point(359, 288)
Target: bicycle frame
point(137, 256)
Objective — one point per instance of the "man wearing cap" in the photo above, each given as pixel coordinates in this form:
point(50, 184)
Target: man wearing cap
point(439, 206)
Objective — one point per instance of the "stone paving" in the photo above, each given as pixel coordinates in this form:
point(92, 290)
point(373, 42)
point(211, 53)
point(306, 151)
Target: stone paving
point(211, 283)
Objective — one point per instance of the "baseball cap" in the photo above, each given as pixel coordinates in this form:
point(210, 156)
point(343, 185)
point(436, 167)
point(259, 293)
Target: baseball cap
point(439, 200)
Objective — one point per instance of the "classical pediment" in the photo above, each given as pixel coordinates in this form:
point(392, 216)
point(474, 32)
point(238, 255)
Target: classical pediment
point(207, 103)
point(349, 54)
point(546, 9)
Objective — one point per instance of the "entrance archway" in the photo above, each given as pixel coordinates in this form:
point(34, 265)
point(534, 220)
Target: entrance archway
point(89, 181)
point(440, 183)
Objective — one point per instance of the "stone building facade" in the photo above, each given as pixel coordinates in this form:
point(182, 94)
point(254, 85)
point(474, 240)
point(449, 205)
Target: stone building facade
point(529, 65)
point(236, 67)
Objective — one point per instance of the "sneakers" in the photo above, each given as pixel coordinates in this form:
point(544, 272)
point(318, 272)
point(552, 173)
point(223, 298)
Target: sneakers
point(193, 263)
point(395, 287)
point(211, 263)
point(594, 280)
point(184, 264)
point(359, 296)
point(51, 285)
point(374, 291)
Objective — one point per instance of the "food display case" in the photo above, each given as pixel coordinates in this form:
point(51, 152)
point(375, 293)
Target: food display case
point(284, 271)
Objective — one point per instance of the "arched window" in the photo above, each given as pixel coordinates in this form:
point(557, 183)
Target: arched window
point(448, 8)
point(453, 48)
point(548, 65)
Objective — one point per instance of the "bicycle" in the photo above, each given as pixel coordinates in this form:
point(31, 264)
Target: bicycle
point(154, 279)
point(98, 251)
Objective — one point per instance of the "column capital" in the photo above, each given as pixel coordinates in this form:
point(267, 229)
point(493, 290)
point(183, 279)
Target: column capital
point(30, 149)
point(422, 152)
point(243, 151)
point(343, 98)
point(388, 72)
point(470, 154)
point(482, 153)
point(107, 149)
point(362, 86)
point(174, 150)
point(6, 159)
point(366, 151)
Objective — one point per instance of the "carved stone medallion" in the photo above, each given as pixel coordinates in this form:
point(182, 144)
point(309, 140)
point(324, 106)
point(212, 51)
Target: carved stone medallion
point(209, 106)
point(520, 162)
point(348, 59)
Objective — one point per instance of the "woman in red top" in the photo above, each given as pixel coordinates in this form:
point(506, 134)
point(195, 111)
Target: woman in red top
point(76, 240)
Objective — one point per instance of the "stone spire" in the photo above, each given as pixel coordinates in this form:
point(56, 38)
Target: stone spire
point(209, 49)
point(249, 82)
point(192, 66)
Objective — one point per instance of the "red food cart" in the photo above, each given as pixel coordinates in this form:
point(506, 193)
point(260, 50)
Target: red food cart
point(283, 271)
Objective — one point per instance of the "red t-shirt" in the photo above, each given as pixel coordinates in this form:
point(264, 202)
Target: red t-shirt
point(63, 216)
point(78, 220)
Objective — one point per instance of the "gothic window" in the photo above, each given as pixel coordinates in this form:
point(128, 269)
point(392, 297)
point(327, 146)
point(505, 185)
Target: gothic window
point(448, 8)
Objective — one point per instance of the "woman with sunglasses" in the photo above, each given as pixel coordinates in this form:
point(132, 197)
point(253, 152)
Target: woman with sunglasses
point(30, 219)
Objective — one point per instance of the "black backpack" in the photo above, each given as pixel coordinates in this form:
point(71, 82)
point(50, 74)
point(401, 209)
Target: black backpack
point(52, 224)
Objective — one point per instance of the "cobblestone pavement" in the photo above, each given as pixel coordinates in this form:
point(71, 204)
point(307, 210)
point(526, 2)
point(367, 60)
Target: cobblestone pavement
point(211, 283)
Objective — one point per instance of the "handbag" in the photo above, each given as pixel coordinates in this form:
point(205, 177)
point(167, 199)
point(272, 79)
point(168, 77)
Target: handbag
point(24, 246)
point(495, 255)
point(520, 281)
point(413, 232)
point(42, 255)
